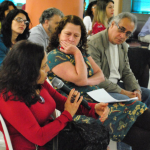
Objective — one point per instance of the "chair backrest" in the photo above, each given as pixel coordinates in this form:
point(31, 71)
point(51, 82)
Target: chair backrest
point(6, 134)
point(138, 29)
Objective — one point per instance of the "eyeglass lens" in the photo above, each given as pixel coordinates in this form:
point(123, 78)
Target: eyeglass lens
point(122, 29)
point(21, 20)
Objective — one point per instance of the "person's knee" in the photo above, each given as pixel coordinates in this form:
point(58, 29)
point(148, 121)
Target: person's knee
point(146, 96)
point(145, 92)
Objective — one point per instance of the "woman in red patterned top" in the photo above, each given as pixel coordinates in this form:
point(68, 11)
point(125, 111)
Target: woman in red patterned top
point(104, 11)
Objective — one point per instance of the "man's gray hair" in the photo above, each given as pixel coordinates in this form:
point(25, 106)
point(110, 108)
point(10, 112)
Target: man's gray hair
point(49, 13)
point(122, 15)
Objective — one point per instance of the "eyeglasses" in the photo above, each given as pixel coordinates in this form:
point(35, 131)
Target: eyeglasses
point(20, 20)
point(122, 30)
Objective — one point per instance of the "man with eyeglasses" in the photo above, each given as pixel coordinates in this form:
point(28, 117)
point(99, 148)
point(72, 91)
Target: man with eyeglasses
point(109, 50)
point(41, 33)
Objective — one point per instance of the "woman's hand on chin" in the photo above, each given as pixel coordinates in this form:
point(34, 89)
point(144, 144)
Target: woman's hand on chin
point(68, 48)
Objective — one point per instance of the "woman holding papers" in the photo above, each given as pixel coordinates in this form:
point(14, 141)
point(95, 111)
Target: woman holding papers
point(69, 61)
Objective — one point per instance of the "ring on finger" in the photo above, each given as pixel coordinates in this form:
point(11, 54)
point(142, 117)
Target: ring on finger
point(73, 98)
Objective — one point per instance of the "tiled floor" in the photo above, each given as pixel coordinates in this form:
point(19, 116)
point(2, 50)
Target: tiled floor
point(2, 144)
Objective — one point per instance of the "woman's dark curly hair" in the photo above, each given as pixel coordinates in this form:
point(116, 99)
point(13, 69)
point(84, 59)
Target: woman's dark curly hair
point(54, 43)
point(3, 7)
point(6, 27)
point(20, 72)
point(89, 10)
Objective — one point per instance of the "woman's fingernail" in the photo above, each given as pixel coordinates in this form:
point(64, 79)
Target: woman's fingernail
point(62, 47)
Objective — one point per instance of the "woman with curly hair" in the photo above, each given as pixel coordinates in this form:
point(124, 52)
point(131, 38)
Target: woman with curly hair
point(5, 8)
point(69, 61)
point(104, 11)
point(89, 14)
point(15, 27)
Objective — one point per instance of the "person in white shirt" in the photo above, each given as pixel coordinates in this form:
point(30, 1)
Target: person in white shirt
point(89, 14)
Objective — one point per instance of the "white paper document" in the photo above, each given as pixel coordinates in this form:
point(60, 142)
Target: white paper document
point(101, 95)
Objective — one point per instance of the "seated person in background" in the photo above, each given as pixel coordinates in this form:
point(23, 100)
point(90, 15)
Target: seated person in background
point(41, 33)
point(104, 11)
point(30, 100)
point(70, 62)
point(109, 50)
point(144, 35)
point(23, 6)
point(5, 7)
point(15, 27)
point(89, 14)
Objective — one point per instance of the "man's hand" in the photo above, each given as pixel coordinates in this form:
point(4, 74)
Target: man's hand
point(131, 94)
point(138, 94)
